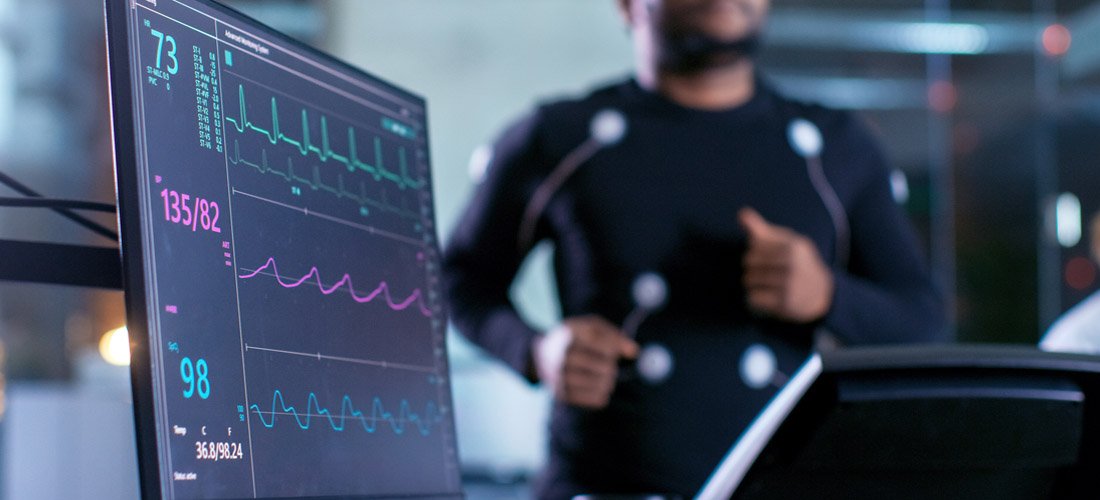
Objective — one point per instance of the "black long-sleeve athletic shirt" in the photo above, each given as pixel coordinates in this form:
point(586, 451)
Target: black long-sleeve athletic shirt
point(665, 200)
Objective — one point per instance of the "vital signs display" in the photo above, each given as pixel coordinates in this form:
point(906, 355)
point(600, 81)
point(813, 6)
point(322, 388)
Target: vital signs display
point(281, 265)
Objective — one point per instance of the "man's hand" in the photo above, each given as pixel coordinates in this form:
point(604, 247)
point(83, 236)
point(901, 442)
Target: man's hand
point(579, 360)
point(784, 275)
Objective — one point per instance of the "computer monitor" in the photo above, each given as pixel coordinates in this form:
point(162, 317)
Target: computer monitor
point(934, 422)
point(280, 265)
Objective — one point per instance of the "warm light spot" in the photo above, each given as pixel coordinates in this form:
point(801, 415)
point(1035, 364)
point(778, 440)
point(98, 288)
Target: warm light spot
point(1080, 273)
point(942, 96)
point(1056, 40)
point(114, 346)
point(967, 138)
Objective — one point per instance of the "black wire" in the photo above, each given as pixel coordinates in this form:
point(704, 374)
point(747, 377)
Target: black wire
point(87, 223)
point(56, 203)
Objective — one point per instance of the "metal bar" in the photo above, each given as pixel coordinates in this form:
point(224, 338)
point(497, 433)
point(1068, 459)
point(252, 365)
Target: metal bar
point(60, 264)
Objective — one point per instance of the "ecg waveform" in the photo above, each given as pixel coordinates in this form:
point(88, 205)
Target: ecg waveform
point(340, 190)
point(325, 153)
point(383, 289)
point(397, 422)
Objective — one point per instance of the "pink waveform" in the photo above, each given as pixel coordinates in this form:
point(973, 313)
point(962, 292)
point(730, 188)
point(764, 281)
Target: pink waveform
point(383, 288)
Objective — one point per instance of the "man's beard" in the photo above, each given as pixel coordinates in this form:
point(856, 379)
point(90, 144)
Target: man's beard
point(696, 52)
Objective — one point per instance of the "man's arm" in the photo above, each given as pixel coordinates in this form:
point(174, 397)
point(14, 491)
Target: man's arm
point(481, 258)
point(886, 294)
point(578, 360)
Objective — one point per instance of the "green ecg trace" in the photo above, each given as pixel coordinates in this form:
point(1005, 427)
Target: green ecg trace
point(305, 146)
point(315, 183)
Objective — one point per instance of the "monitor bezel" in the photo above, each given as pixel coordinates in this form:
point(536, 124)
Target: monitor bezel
point(131, 234)
point(123, 134)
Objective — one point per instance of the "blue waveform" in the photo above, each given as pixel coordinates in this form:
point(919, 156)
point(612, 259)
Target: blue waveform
point(378, 414)
point(324, 152)
point(314, 182)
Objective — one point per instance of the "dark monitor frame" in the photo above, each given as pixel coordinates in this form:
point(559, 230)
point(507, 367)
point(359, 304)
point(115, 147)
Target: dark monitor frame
point(120, 81)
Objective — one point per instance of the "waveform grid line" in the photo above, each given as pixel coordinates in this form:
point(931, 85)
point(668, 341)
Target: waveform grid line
point(316, 184)
point(383, 288)
point(373, 230)
point(324, 152)
point(378, 414)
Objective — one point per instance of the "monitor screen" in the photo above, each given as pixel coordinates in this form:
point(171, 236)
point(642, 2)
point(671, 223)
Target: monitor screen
point(280, 265)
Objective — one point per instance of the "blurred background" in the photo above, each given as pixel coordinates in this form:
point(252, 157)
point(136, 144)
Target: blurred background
point(990, 112)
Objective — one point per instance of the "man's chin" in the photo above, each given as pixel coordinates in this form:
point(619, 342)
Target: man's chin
point(695, 53)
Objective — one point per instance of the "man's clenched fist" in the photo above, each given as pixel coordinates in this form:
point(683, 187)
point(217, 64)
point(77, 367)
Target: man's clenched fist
point(784, 275)
point(579, 360)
